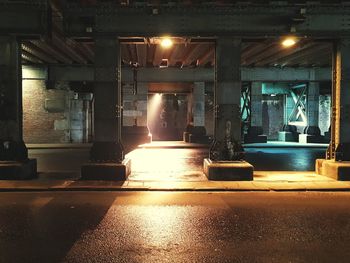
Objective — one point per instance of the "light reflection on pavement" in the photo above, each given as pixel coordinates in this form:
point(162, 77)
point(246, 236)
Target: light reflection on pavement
point(167, 164)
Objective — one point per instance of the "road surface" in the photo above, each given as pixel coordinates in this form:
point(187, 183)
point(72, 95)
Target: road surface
point(174, 227)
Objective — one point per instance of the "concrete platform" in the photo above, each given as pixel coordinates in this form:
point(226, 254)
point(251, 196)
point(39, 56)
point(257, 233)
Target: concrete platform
point(106, 171)
point(12, 170)
point(228, 171)
point(337, 170)
point(307, 138)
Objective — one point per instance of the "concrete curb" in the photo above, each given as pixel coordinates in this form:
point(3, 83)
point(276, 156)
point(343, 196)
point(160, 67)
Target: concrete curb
point(13, 186)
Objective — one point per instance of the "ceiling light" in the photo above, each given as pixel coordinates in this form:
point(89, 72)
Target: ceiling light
point(166, 42)
point(288, 42)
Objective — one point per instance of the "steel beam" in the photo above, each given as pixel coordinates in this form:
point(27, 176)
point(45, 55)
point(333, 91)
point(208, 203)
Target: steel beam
point(264, 74)
point(207, 21)
point(36, 52)
point(25, 18)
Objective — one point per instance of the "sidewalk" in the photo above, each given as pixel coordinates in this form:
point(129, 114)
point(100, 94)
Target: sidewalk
point(180, 169)
point(274, 181)
point(59, 145)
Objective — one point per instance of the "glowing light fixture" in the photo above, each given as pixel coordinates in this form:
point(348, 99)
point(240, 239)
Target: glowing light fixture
point(288, 42)
point(166, 42)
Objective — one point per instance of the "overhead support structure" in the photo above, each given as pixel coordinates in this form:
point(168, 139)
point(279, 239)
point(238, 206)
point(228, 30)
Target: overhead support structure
point(107, 152)
point(337, 163)
point(225, 160)
point(273, 19)
point(24, 18)
point(298, 115)
point(17, 19)
point(14, 162)
point(259, 74)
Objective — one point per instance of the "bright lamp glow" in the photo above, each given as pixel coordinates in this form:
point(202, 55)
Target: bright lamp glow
point(288, 42)
point(166, 42)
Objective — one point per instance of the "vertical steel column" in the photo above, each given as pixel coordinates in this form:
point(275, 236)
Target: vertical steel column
point(12, 146)
point(107, 145)
point(339, 149)
point(227, 93)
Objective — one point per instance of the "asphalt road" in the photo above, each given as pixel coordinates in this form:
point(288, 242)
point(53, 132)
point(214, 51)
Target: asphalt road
point(174, 227)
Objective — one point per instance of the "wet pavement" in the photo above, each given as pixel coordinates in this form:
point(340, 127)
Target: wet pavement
point(174, 227)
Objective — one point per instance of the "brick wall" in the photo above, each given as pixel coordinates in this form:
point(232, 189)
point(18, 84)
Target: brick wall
point(44, 120)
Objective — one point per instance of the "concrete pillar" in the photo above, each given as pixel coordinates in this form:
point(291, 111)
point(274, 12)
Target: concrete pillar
point(337, 164)
point(255, 130)
point(14, 161)
point(313, 102)
point(256, 104)
point(107, 152)
point(227, 132)
point(198, 104)
point(195, 131)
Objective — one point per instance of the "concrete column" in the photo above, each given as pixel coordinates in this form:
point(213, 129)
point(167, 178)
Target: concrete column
point(338, 154)
point(107, 102)
point(12, 147)
point(256, 104)
point(198, 104)
point(195, 131)
point(107, 146)
point(313, 102)
point(255, 133)
point(227, 132)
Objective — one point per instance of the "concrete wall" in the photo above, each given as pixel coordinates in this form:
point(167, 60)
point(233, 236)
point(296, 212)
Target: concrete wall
point(135, 106)
point(209, 113)
point(273, 115)
point(324, 113)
